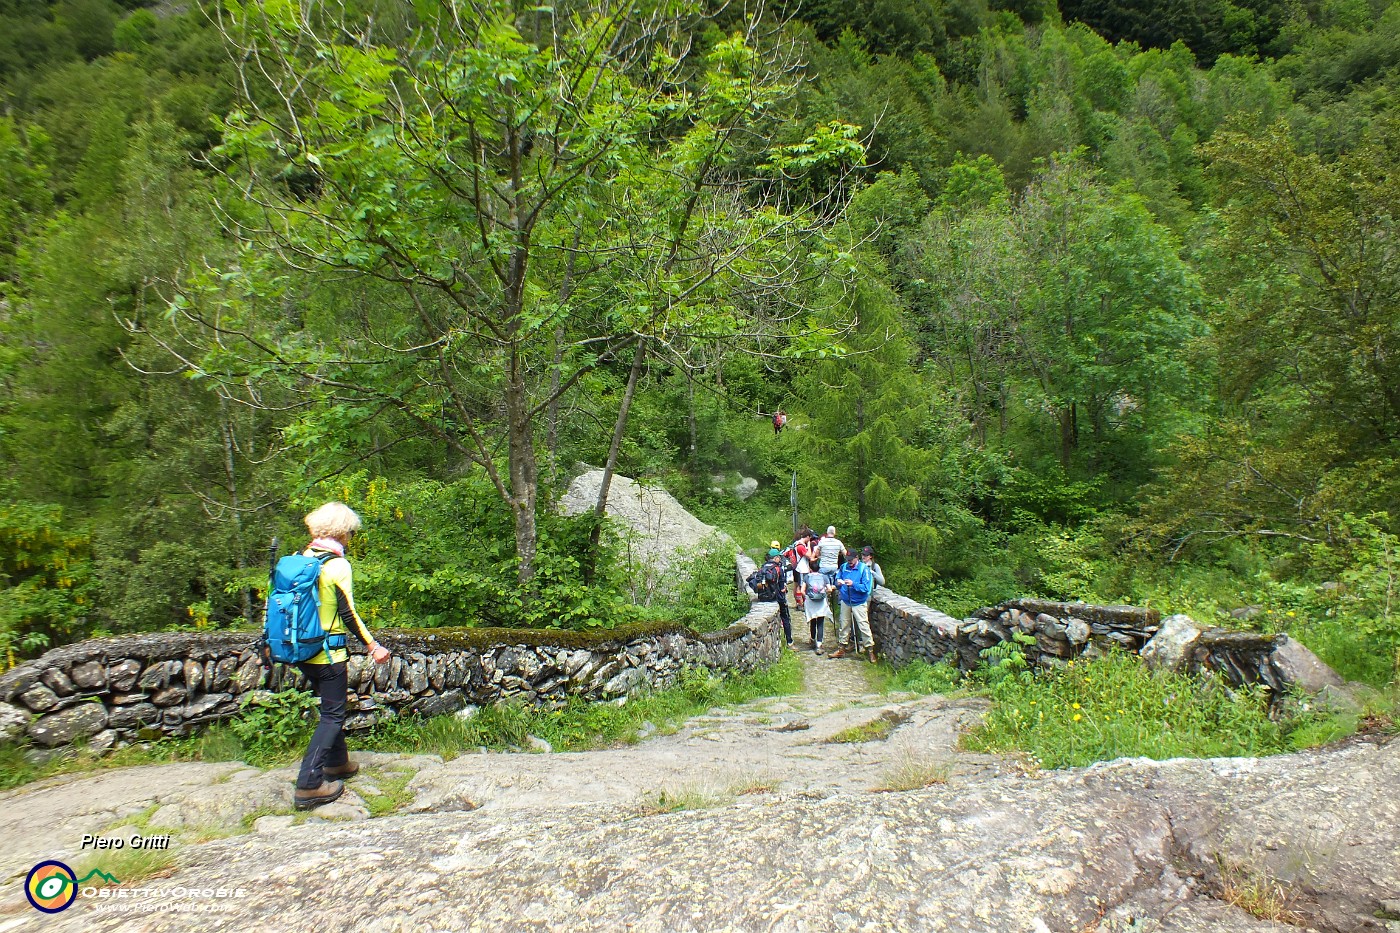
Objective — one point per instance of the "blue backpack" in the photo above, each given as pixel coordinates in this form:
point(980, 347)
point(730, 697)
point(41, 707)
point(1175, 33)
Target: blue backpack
point(293, 631)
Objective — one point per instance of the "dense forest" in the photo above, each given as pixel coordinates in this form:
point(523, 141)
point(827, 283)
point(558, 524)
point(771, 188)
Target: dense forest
point(1094, 302)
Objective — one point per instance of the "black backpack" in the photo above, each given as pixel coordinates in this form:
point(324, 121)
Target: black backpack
point(766, 581)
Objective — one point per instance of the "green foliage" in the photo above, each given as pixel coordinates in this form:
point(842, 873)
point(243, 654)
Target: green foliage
point(1005, 661)
point(919, 676)
point(876, 730)
point(1116, 326)
point(866, 470)
point(217, 743)
point(274, 728)
point(46, 580)
point(434, 554)
point(702, 593)
point(1115, 707)
point(1324, 278)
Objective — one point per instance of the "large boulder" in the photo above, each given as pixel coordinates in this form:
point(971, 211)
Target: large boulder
point(660, 532)
point(1299, 667)
point(1172, 644)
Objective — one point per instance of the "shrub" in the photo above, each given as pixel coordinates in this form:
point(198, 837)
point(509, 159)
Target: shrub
point(704, 596)
point(1116, 707)
point(443, 554)
point(919, 676)
point(46, 583)
point(274, 727)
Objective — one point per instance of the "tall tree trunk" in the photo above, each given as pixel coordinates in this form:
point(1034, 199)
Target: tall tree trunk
point(235, 504)
point(861, 466)
point(1069, 433)
point(551, 430)
point(690, 417)
point(557, 361)
point(524, 479)
point(520, 440)
point(590, 563)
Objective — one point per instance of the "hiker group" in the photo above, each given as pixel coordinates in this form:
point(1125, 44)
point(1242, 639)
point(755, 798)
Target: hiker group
point(819, 566)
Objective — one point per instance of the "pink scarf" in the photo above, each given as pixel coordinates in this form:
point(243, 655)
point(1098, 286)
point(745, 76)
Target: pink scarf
point(329, 544)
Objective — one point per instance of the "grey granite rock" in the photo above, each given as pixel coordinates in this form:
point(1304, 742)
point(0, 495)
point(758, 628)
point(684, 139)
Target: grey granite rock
point(63, 727)
point(1124, 847)
point(1171, 647)
point(13, 720)
point(39, 698)
point(1301, 668)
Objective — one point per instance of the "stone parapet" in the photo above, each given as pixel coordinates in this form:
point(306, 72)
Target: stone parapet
point(111, 690)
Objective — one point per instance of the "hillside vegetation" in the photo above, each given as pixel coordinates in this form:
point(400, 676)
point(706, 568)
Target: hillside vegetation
point(1089, 302)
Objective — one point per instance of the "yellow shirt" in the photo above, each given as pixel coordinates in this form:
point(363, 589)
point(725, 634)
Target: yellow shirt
point(335, 573)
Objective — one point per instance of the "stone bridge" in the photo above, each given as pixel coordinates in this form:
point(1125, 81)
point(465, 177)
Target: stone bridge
point(110, 691)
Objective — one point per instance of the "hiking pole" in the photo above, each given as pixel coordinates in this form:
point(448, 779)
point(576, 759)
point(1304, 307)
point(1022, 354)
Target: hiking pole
point(260, 646)
point(792, 497)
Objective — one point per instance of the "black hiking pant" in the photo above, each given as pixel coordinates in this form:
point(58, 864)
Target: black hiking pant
point(784, 615)
point(327, 747)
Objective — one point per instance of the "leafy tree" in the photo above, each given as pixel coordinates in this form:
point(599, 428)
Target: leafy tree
point(25, 196)
point(463, 157)
point(1314, 312)
point(1112, 309)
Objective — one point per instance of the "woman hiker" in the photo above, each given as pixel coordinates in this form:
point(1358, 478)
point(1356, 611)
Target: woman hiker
point(814, 581)
point(327, 761)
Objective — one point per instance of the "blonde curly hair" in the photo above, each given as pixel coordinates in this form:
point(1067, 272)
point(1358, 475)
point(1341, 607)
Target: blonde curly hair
point(332, 520)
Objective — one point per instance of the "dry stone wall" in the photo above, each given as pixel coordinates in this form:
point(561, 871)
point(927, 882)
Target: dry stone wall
point(905, 630)
point(113, 690)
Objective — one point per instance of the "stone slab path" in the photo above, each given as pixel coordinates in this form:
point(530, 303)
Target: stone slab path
point(773, 745)
point(782, 832)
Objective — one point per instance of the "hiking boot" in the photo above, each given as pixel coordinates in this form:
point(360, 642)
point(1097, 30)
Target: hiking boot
point(305, 799)
point(838, 653)
point(345, 771)
point(789, 644)
point(817, 648)
point(872, 655)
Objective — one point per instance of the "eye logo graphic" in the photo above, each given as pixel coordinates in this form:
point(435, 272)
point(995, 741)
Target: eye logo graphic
point(52, 886)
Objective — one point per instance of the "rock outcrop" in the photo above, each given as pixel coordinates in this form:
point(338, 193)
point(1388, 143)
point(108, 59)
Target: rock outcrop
point(1131, 846)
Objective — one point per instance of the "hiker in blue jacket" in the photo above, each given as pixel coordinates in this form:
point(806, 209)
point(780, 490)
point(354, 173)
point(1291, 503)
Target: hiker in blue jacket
point(854, 585)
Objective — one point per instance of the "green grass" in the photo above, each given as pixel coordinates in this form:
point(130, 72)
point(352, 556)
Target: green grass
point(918, 676)
point(1116, 707)
point(876, 730)
point(674, 800)
point(393, 795)
point(127, 865)
point(216, 744)
point(701, 797)
point(913, 772)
